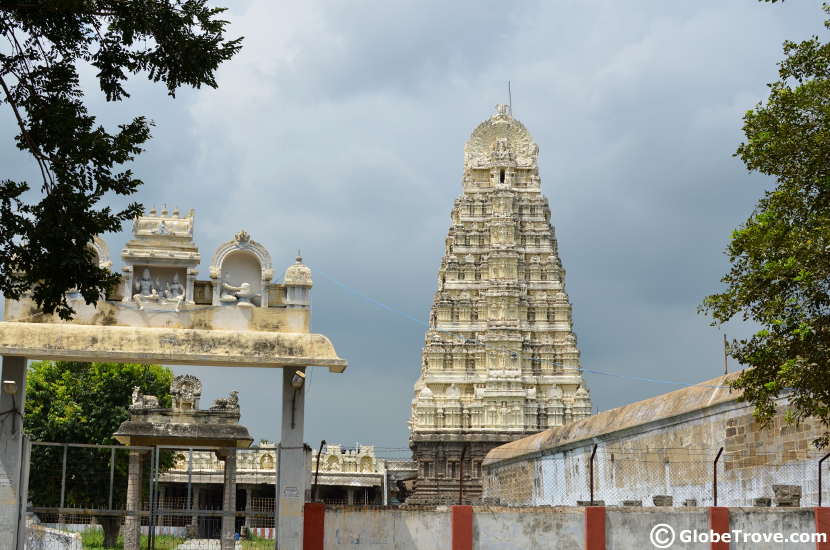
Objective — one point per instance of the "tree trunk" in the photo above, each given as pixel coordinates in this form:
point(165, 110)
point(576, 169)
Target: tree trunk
point(111, 526)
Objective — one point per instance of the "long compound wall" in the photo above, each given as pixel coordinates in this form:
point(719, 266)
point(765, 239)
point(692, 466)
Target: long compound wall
point(511, 528)
point(671, 456)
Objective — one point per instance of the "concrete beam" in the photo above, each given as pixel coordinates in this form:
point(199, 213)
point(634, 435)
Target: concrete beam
point(170, 346)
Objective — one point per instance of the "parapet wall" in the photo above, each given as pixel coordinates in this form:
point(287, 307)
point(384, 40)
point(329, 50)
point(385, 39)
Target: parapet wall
point(591, 528)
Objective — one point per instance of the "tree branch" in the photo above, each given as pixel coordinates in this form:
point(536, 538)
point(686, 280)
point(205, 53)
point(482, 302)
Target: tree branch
point(44, 170)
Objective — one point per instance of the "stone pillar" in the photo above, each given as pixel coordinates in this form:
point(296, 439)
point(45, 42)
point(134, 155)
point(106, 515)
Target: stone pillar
point(132, 523)
point(229, 500)
point(292, 467)
point(350, 495)
point(12, 496)
point(249, 491)
point(194, 518)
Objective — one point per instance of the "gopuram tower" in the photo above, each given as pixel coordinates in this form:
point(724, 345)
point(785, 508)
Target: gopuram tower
point(500, 359)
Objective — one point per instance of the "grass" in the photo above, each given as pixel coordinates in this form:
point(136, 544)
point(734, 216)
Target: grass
point(93, 539)
point(257, 543)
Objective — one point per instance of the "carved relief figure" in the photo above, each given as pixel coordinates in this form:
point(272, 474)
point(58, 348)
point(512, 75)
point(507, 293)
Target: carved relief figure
point(150, 290)
point(141, 401)
point(175, 289)
point(186, 391)
point(240, 295)
point(228, 403)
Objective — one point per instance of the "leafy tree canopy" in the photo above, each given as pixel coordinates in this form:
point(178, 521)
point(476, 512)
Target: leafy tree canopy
point(780, 274)
point(68, 402)
point(87, 402)
point(45, 237)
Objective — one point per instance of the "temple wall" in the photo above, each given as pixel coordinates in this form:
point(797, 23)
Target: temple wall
point(500, 528)
point(374, 528)
point(673, 456)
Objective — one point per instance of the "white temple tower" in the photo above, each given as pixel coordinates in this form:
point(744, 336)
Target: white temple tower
point(500, 360)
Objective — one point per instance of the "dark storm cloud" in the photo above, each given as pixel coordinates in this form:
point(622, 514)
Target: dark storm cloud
point(340, 128)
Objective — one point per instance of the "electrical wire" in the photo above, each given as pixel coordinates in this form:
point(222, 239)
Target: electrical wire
point(513, 353)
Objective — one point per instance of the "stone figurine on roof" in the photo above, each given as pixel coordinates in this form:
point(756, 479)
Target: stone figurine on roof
point(158, 258)
point(184, 422)
point(161, 261)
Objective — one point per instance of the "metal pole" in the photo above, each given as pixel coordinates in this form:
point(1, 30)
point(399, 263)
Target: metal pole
point(150, 504)
point(151, 531)
point(819, 477)
point(715, 477)
point(156, 496)
point(63, 481)
point(317, 473)
point(591, 467)
point(112, 474)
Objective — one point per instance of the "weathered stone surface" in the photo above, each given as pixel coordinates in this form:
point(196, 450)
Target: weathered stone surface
point(632, 503)
point(39, 537)
point(662, 500)
point(663, 445)
point(71, 342)
point(500, 359)
point(154, 318)
point(664, 406)
point(183, 423)
point(787, 495)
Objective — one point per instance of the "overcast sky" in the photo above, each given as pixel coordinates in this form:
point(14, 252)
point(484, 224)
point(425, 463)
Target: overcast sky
point(340, 127)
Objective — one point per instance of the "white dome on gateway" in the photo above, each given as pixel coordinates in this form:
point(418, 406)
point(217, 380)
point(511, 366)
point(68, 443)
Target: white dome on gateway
point(500, 359)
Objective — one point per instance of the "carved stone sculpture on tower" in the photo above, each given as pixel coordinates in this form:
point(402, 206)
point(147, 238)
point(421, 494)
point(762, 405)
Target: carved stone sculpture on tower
point(500, 360)
point(241, 270)
point(163, 252)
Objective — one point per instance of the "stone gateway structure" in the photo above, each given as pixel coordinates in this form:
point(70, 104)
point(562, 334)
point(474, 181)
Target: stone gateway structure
point(184, 424)
point(161, 313)
point(500, 359)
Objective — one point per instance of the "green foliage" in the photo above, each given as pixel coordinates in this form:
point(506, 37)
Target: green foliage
point(86, 402)
point(177, 42)
point(83, 403)
point(780, 274)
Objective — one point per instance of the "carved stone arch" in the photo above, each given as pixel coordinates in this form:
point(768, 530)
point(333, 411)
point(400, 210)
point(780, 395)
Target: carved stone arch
point(500, 132)
point(101, 251)
point(186, 391)
point(242, 249)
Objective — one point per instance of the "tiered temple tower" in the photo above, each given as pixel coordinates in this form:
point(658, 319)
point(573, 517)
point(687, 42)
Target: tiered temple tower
point(500, 359)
